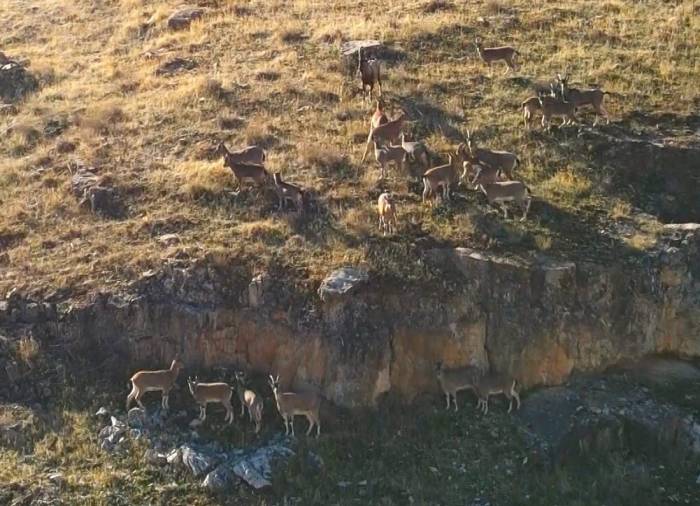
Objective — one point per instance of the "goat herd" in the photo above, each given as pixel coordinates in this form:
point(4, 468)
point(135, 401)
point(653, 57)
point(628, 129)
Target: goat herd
point(489, 171)
point(307, 403)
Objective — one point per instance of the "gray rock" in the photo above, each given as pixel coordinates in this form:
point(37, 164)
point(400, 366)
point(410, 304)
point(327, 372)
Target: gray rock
point(221, 479)
point(136, 418)
point(111, 435)
point(197, 461)
point(256, 290)
point(102, 412)
point(183, 17)
point(599, 414)
point(155, 458)
point(102, 199)
point(16, 82)
point(57, 479)
point(342, 282)
point(174, 458)
point(256, 468)
point(176, 65)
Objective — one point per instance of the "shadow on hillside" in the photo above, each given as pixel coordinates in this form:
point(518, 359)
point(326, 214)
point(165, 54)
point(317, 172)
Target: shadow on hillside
point(656, 169)
point(456, 39)
point(428, 118)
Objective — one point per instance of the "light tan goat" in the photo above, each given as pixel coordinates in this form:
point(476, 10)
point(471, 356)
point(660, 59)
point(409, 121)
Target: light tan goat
point(507, 191)
point(249, 400)
point(388, 133)
point(593, 97)
point(552, 107)
point(530, 107)
point(208, 393)
point(503, 160)
point(249, 155)
point(370, 73)
point(492, 54)
point(494, 384)
point(387, 213)
point(154, 381)
point(379, 117)
point(288, 192)
point(290, 404)
point(389, 154)
point(452, 381)
point(445, 175)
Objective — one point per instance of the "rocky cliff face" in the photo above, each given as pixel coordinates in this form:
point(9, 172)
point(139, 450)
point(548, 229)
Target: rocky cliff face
point(538, 319)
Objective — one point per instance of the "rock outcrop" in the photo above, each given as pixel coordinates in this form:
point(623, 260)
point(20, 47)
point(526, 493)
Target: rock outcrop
point(539, 319)
point(15, 80)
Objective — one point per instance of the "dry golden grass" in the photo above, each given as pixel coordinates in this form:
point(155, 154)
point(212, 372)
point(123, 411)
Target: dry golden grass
point(269, 72)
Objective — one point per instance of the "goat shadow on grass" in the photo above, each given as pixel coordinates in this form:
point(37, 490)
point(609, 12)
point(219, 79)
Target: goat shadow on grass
point(536, 86)
point(456, 39)
point(428, 118)
point(643, 168)
point(581, 236)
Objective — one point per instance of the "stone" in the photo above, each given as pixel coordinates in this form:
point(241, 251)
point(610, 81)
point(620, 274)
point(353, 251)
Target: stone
point(221, 479)
point(63, 146)
point(154, 458)
point(600, 414)
point(197, 461)
point(136, 418)
point(342, 282)
point(176, 65)
point(256, 290)
point(16, 82)
point(183, 17)
point(102, 412)
point(168, 239)
point(102, 199)
point(113, 434)
point(256, 468)
point(57, 479)
point(174, 458)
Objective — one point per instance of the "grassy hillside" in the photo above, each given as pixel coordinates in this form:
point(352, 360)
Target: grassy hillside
point(269, 72)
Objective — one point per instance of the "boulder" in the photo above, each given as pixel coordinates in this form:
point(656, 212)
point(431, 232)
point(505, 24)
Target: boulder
point(15, 81)
point(155, 458)
point(102, 199)
point(198, 461)
point(183, 17)
point(222, 479)
point(256, 468)
point(176, 65)
point(597, 414)
point(342, 282)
